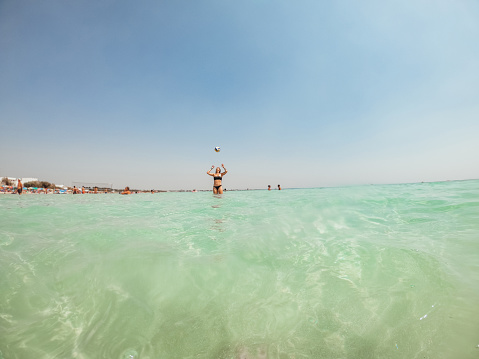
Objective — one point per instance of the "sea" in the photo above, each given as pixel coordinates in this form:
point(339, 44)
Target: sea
point(373, 271)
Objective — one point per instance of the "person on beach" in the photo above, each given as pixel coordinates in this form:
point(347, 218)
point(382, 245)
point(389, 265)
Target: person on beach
point(279, 187)
point(19, 187)
point(217, 176)
point(126, 190)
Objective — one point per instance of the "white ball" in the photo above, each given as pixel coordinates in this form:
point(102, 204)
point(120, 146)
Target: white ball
point(217, 149)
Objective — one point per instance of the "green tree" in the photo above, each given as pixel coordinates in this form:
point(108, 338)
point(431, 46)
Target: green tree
point(45, 184)
point(6, 181)
point(39, 184)
point(32, 184)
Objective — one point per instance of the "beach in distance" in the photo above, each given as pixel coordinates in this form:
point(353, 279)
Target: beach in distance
point(383, 271)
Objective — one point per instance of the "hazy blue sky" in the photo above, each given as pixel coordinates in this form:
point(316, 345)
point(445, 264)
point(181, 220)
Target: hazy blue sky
point(305, 94)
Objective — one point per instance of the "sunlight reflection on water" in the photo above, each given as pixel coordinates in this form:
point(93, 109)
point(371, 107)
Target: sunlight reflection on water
point(360, 272)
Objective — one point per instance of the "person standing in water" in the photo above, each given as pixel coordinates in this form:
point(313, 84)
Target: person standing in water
point(19, 186)
point(217, 176)
point(279, 187)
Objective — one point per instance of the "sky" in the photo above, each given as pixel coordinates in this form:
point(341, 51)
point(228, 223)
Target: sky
point(302, 94)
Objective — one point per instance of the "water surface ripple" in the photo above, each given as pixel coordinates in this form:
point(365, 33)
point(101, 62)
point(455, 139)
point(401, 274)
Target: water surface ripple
point(386, 271)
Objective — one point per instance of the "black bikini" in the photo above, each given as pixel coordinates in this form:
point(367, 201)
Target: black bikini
point(217, 178)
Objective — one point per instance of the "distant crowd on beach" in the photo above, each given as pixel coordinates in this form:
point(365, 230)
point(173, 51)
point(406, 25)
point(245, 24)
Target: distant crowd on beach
point(19, 189)
point(44, 187)
point(83, 190)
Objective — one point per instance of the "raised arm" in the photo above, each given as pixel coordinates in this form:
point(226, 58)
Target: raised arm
point(225, 172)
point(208, 173)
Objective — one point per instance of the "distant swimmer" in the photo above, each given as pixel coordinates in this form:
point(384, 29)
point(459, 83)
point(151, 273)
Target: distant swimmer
point(279, 187)
point(126, 190)
point(269, 187)
point(217, 176)
point(19, 187)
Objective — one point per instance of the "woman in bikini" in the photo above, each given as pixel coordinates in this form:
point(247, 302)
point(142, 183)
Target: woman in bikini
point(218, 176)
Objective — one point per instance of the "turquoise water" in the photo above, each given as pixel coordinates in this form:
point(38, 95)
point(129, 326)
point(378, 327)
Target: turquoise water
point(357, 272)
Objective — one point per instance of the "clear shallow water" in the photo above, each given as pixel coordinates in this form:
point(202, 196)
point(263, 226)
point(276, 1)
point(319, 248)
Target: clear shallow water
point(356, 272)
